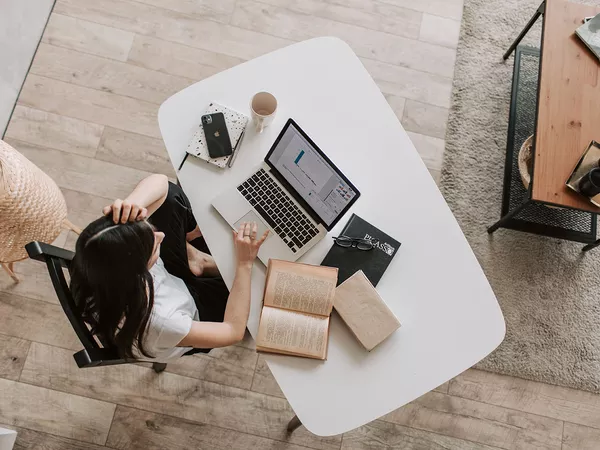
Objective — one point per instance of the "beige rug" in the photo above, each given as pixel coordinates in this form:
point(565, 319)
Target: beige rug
point(548, 290)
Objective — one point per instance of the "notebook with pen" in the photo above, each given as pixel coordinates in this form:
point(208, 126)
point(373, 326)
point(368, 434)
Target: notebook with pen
point(236, 125)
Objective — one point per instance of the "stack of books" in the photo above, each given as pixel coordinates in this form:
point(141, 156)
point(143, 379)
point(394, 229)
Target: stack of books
point(299, 298)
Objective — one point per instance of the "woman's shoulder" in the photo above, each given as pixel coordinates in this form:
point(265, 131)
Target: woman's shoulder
point(158, 272)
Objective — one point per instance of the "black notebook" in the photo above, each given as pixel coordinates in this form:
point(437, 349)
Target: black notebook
point(372, 262)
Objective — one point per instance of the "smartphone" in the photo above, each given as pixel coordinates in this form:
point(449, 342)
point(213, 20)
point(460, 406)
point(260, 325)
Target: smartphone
point(216, 134)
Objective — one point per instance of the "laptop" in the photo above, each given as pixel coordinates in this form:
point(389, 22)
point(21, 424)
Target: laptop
point(297, 193)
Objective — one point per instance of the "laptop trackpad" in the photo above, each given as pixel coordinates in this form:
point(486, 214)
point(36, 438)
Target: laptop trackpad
point(253, 217)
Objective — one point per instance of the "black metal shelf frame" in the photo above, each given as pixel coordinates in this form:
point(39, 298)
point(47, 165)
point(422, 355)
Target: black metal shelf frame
point(519, 211)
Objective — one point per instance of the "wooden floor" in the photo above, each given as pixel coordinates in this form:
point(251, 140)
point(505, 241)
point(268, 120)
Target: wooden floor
point(87, 116)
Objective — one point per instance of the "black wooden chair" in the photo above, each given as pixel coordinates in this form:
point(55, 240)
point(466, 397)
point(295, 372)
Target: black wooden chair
point(94, 352)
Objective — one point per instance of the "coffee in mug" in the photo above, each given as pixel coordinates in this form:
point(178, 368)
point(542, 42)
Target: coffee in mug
point(263, 107)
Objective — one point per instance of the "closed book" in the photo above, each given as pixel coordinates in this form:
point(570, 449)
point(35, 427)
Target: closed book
point(359, 305)
point(372, 262)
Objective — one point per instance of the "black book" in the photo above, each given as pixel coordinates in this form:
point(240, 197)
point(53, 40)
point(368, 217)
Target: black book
point(372, 262)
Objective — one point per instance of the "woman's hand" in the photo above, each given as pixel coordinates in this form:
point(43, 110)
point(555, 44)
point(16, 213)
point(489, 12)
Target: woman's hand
point(124, 211)
point(246, 244)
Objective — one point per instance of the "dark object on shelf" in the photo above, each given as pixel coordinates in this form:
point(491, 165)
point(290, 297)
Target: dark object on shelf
point(519, 212)
point(589, 160)
point(350, 260)
point(589, 185)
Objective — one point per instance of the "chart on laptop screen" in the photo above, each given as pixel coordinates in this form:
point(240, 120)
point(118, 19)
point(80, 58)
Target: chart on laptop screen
point(312, 177)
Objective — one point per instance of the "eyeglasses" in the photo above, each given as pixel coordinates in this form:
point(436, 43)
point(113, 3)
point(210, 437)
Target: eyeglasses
point(361, 244)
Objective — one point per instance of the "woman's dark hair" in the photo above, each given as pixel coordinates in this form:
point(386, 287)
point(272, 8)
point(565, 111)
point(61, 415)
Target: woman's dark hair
point(111, 284)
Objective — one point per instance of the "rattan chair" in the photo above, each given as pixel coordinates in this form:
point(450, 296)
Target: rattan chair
point(32, 207)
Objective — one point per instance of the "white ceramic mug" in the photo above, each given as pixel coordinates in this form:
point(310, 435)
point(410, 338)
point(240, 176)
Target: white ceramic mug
point(264, 107)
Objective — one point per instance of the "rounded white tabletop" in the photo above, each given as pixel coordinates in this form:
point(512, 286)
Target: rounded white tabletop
point(434, 285)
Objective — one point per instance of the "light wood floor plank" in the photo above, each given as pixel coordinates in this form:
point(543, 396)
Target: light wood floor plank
point(380, 17)
point(231, 366)
point(34, 282)
point(35, 440)
point(436, 174)
point(397, 104)
point(54, 131)
point(88, 37)
point(479, 422)
point(81, 219)
point(135, 151)
point(171, 394)
point(444, 8)
point(248, 341)
point(443, 388)
point(12, 356)
point(61, 239)
point(80, 173)
point(264, 381)
point(88, 203)
point(178, 59)
point(439, 30)
point(173, 26)
point(83, 209)
point(562, 403)
point(90, 105)
point(134, 429)
point(430, 149)
point(36, 320)
point(218, 10)
point(425, 119)
point(55, 412)
point(379, 435)
point(578, 437)
point(409, 83)
point(385, 47)
point(106, 74)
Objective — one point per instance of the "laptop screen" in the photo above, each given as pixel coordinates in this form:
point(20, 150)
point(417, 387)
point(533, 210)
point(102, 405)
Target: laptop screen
point(316, 180)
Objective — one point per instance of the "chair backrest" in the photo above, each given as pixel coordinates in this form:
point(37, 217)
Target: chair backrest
point(56, 259)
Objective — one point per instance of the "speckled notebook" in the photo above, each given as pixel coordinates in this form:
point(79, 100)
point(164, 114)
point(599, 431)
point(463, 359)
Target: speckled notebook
point(236, 124)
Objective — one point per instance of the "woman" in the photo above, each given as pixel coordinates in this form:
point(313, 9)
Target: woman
point(150, 287)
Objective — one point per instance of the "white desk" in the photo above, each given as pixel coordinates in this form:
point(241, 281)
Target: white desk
point(449, 314)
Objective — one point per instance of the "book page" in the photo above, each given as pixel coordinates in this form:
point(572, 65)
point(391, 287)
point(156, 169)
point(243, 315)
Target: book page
point(300, 287)
point(293, 332)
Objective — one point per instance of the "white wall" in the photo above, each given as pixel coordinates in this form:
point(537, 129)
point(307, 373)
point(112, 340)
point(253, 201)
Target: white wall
point(22, 23)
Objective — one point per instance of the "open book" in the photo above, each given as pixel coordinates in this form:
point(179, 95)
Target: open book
point(296, 309)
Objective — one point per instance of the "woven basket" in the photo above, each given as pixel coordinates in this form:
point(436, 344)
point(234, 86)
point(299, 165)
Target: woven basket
point(32, 207)
point(525, 161)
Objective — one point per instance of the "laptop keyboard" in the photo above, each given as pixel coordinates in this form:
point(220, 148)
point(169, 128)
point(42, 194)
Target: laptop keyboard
point(273, 204)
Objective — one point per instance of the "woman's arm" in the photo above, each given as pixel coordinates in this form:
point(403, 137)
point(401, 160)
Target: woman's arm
point(146, 198)
point(233, 327)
